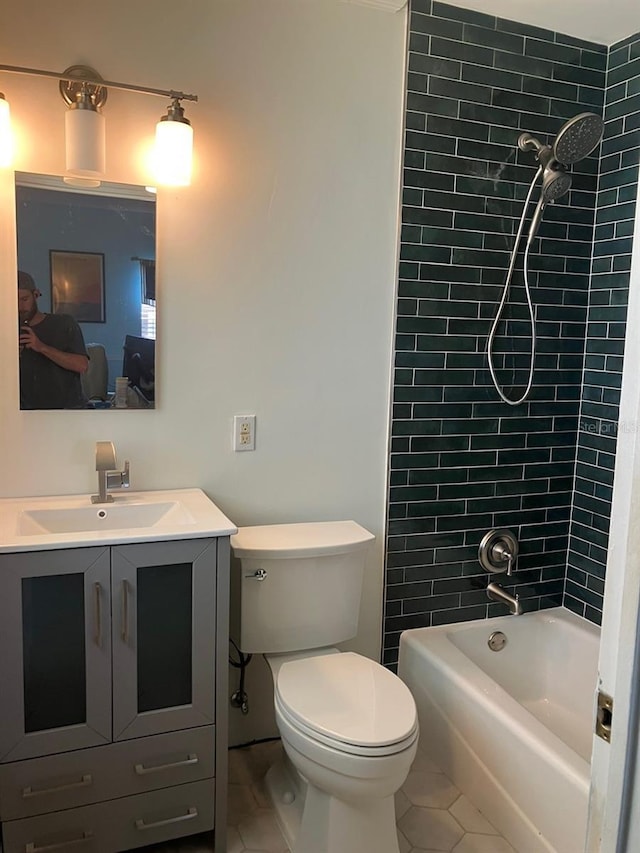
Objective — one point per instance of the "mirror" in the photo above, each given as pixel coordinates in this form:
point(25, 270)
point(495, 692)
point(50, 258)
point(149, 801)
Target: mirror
point(88, 303)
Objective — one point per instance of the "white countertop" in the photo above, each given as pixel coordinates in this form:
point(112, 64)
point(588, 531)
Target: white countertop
point(72, 521)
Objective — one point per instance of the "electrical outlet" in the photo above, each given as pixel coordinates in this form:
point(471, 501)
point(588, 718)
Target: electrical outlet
point(244, 432)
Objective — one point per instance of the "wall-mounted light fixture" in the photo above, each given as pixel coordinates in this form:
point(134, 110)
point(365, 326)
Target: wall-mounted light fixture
point(85, 93)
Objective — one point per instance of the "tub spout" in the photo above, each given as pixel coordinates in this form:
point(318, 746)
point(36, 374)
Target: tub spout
point(497, 593)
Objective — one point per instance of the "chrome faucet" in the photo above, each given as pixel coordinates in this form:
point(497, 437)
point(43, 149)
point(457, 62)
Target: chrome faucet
point(108, 475)
point(497, 593)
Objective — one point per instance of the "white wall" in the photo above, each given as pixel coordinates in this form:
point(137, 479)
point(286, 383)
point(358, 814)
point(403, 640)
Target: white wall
point(276, 268)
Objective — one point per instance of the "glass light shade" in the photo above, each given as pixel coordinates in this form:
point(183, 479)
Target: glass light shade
point(6, 137)
point(173, 153)
point(85, 142)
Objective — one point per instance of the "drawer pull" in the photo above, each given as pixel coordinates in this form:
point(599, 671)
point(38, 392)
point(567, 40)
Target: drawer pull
point(140, 824)
point(83, 783)
point(141, 770)
point(60, 845)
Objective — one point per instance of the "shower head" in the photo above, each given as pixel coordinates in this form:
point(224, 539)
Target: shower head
point(555, 183)
point(578, 138)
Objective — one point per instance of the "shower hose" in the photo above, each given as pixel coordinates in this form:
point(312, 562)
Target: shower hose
point(505, 295)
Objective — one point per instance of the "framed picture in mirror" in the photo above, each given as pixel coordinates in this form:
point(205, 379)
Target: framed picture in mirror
point(77, 285)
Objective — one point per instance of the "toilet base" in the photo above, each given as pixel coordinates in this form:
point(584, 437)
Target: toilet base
point(282, 784)
point(316, 822)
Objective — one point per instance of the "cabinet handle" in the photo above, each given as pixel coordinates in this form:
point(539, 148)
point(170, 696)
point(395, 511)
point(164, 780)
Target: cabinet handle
point(125, 612)
point(140, 824)
point(97, 613)
point(31, 847)
point(83, 783)
point(141, 770)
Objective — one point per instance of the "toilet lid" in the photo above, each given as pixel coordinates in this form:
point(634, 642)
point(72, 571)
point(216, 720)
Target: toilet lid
point(347, 698)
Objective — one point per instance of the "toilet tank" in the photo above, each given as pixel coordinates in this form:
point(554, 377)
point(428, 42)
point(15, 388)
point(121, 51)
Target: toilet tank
point(309, 595)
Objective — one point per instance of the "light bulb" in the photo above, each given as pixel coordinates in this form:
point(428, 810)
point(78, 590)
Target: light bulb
point(173, 149)
point(85, 139)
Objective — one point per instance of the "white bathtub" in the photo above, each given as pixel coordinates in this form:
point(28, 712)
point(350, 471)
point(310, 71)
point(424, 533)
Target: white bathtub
point(512, 729)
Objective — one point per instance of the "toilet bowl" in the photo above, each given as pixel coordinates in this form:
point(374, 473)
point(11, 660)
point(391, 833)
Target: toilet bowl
point(348, 725)
point(349, 729)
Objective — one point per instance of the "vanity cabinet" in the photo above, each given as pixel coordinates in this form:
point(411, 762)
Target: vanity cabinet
point(114, 695)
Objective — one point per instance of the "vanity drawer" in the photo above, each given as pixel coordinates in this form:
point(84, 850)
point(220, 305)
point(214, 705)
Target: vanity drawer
point(118, 825)
point(71, 779)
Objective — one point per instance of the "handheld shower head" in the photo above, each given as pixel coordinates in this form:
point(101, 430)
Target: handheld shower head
point(555, 183)
point(578, 138)
point(536, 219)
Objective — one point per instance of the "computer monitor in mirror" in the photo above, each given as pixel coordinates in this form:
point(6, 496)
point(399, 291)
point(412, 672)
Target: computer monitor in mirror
point(139, 366)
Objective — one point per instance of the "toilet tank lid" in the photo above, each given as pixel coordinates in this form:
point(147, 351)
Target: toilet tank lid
point(310, 539)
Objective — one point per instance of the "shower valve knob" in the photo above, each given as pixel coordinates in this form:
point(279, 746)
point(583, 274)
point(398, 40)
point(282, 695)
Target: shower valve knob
point(498, 551)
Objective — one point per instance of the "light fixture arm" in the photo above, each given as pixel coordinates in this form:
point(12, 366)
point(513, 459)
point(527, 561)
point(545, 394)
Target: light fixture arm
point(98, 81)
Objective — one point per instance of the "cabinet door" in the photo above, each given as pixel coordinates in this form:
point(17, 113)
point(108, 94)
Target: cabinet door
point(55, 652)
point(163, 636)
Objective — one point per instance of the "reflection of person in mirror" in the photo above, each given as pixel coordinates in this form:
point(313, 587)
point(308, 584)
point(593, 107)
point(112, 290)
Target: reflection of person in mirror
point(52, 354)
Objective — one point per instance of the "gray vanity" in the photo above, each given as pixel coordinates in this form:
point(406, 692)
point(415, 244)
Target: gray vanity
point(113, 671)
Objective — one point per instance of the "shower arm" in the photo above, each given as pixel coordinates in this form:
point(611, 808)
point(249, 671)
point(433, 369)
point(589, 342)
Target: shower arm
point(527, 142)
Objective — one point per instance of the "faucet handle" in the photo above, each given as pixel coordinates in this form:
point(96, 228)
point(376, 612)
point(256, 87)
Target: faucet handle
point(498, 551)
point(119, 479)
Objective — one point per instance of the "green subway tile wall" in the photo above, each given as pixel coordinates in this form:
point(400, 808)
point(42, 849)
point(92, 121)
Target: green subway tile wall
point(461, 460)
point(606, 319)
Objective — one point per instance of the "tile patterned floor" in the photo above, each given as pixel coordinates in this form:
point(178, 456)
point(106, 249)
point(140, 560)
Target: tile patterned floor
point(432, 815)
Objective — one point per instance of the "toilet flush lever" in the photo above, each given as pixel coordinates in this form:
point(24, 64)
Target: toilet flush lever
point(258, 575)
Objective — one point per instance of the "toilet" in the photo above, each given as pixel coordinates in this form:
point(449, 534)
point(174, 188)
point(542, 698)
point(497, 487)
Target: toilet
point(348, 726)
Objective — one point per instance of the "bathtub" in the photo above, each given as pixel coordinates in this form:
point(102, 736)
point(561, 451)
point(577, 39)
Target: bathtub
point(512, 728)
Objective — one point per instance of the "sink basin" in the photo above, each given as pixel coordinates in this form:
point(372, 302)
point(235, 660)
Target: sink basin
point(107, 517)
point(73, 521)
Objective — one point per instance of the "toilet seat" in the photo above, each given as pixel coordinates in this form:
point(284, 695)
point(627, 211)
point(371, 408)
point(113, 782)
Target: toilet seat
point(347, 702)
point(341, 746)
